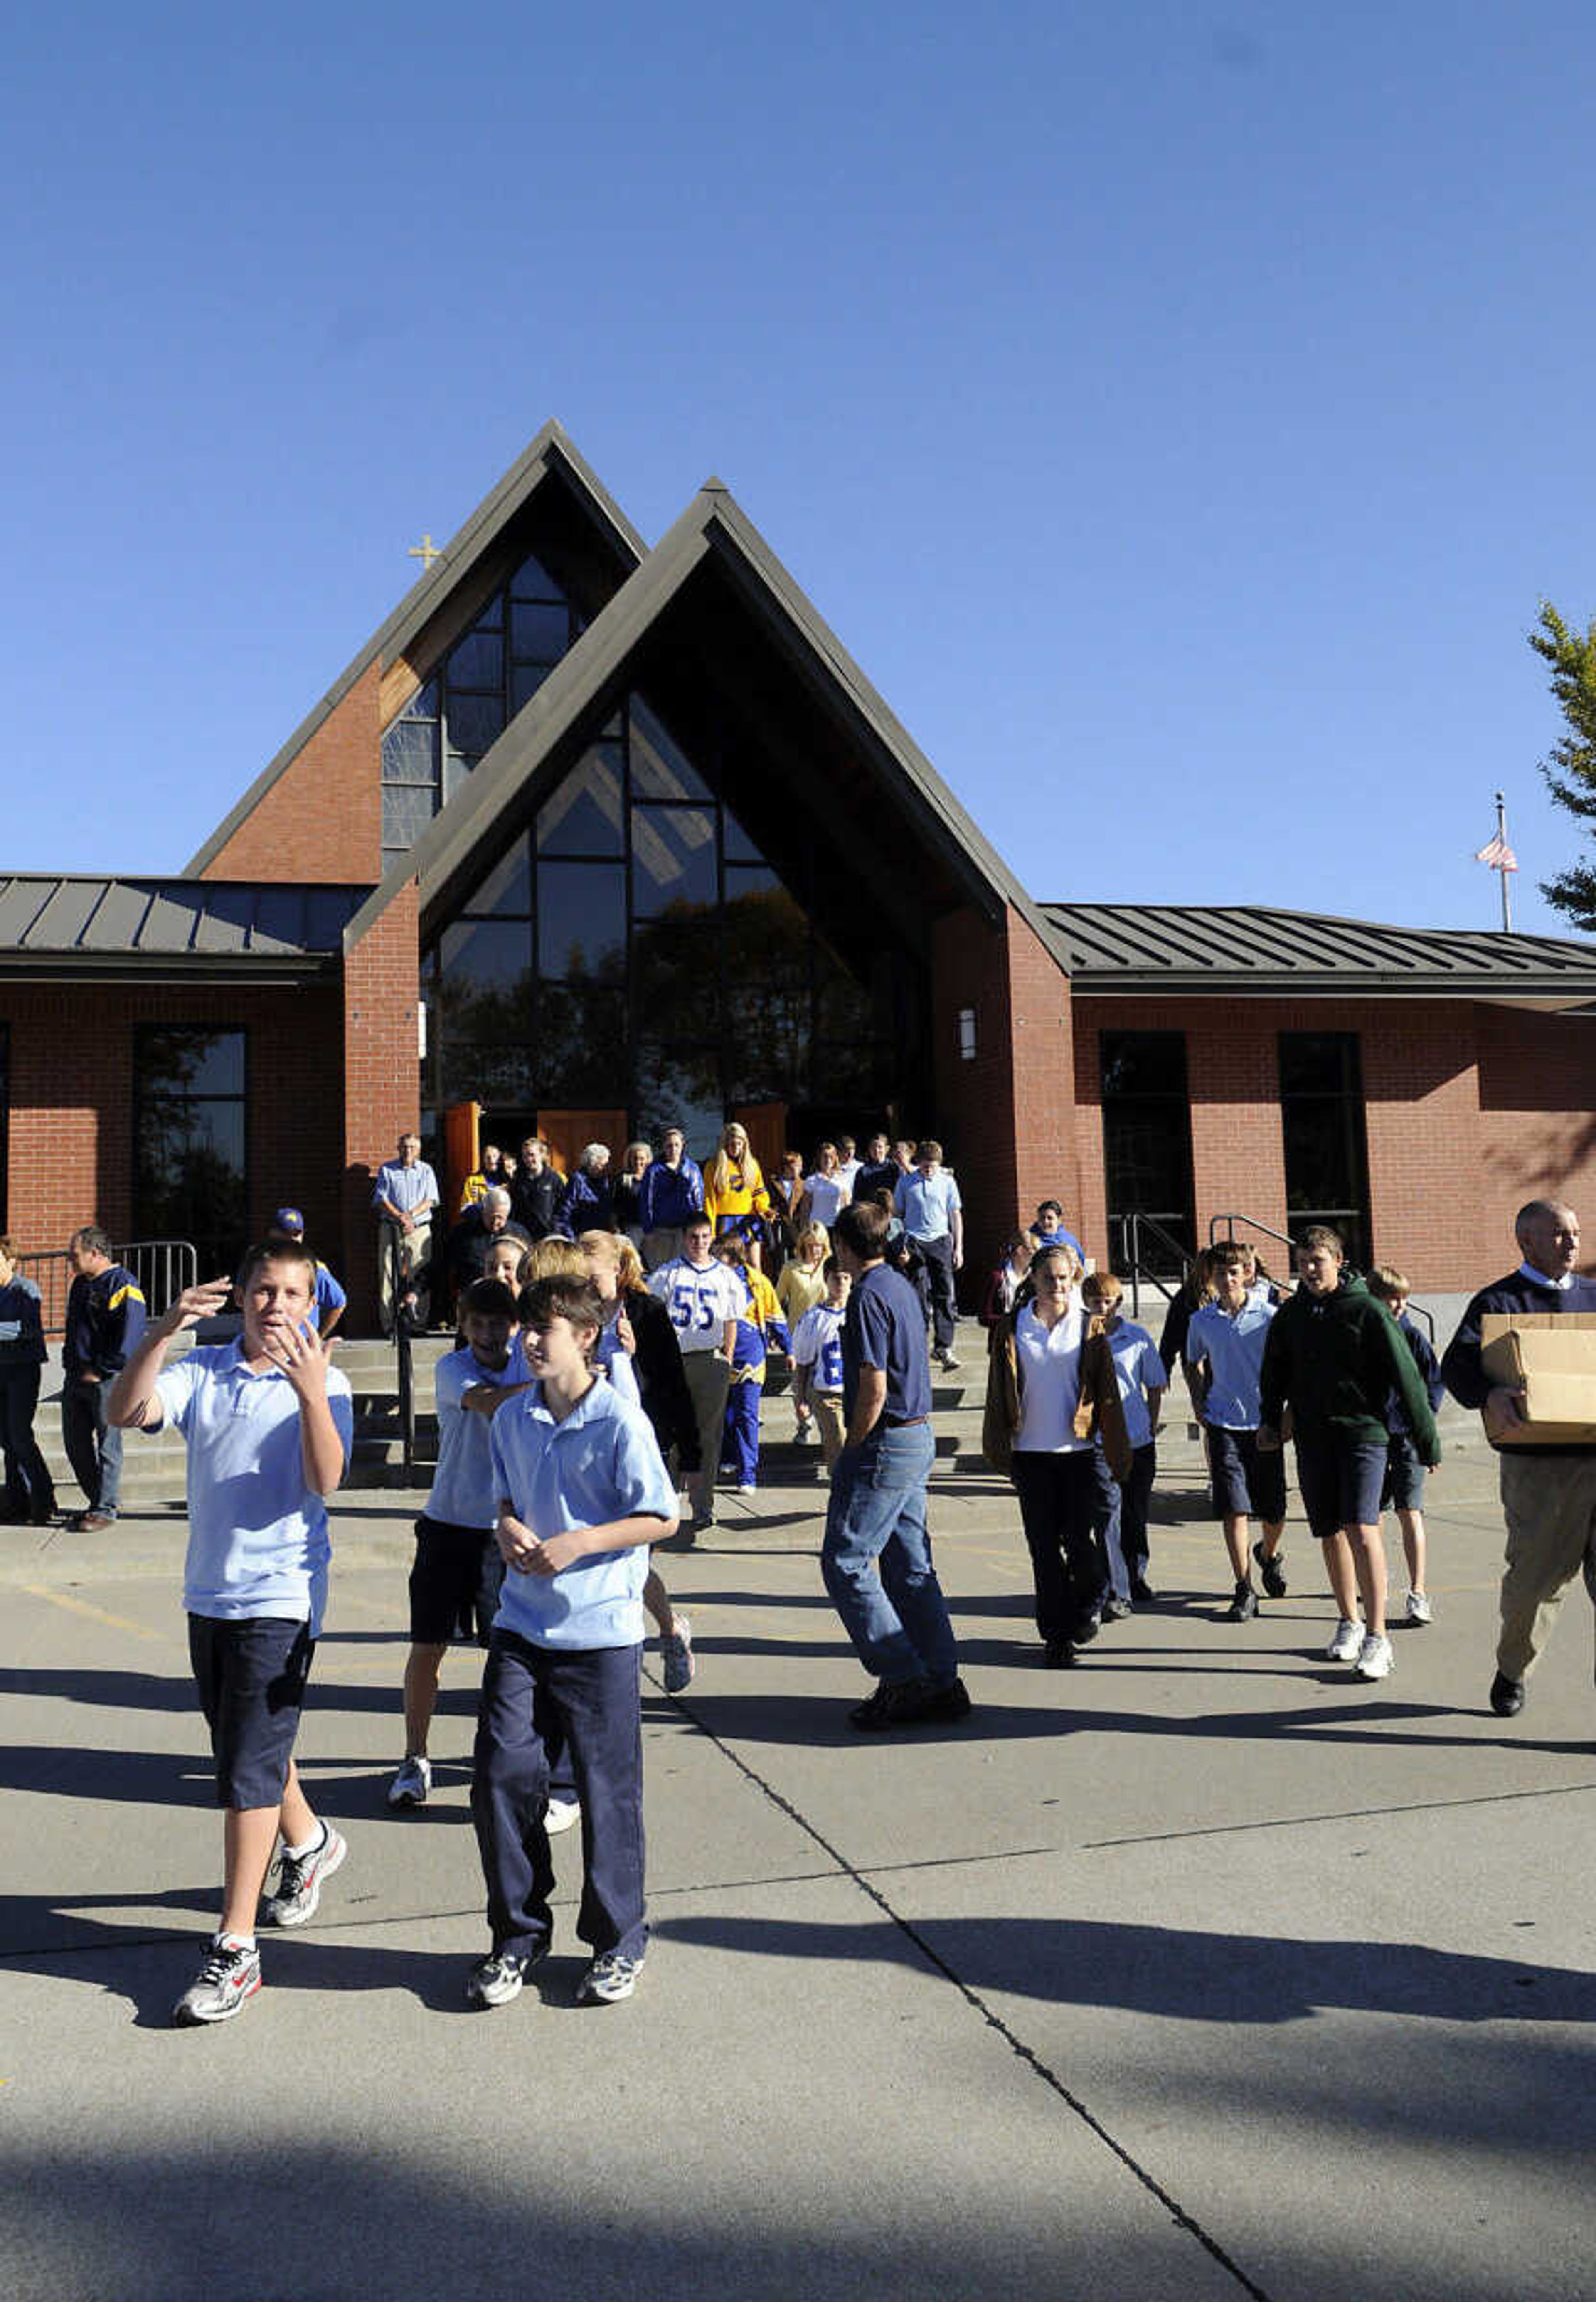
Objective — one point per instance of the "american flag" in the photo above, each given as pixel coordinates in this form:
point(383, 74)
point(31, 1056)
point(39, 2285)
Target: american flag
point(1496, 852)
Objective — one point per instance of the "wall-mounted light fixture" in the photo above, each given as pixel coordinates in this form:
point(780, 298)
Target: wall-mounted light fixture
point(967, 1034)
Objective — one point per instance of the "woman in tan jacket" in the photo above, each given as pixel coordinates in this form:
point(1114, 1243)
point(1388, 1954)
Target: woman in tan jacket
point(1051, 1389)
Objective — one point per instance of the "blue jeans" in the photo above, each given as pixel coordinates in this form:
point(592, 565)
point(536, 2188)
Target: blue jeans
point(93, 1446)
point(897, 1620)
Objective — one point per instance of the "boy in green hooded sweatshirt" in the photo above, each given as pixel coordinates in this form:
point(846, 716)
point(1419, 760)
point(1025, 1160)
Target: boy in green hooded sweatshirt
point(1334, 1355)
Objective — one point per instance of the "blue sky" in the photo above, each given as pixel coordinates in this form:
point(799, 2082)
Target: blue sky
point(1180, 414)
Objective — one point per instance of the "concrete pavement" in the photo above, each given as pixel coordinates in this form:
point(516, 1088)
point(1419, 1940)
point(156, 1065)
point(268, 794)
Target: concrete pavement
point(1204, 1970)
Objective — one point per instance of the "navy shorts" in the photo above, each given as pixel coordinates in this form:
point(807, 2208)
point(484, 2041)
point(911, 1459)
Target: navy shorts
point(1341, 1479)
point(1404, 1487)
point(454, 1584)
point(1243, 1482)
point(250, 1676)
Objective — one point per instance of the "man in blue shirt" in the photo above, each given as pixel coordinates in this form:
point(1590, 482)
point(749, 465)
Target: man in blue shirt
point(928, 1200)
point(876, 1554)
point(406, 1196)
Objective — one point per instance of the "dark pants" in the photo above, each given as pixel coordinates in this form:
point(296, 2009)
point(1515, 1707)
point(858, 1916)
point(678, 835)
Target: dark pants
point(534, 1698)
point(93, 1448)
point(1122, 1513)
point(29, 1487)
point(935, 1280)
point(1056, 1497)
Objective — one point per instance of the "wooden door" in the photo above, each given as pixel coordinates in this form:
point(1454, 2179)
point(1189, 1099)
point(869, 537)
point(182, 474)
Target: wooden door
point(461, 1124)
point(765, 1124)
point(567, 1133)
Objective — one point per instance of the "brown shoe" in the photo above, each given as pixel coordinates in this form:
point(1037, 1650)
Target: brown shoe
point(93, 1522)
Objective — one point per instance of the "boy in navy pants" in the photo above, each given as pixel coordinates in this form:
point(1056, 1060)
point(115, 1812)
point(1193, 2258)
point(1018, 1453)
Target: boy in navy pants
point(582, 1493)
point(268, 1422)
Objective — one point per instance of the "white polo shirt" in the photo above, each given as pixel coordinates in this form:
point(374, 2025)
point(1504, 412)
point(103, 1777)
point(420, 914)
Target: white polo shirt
point(258, 1534)
point(1050, 1373)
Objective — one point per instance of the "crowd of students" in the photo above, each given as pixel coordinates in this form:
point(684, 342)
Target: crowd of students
point(607, 1365)
point(1075, 1393)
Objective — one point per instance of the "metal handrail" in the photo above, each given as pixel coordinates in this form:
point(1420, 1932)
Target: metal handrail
point(163, 1267)
point(1137, 1224)
point(1251, 1222)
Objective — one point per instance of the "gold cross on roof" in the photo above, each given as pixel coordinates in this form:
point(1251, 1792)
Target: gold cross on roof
point(427, 551)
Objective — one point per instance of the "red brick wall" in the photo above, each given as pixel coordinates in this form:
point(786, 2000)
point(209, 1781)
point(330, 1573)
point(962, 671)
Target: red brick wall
point(1007, 1115)
point(382, 1081)
point(71, 1135)
point(1537, 1118)
point(322, 819)
point(1467, 1109)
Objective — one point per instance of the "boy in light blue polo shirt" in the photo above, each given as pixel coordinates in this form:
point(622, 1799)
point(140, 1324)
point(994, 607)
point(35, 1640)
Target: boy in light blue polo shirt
point(1225, 1355)
point(582, 1493)
point(269, 1424)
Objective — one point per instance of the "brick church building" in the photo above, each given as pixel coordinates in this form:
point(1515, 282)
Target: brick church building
point(595, 836)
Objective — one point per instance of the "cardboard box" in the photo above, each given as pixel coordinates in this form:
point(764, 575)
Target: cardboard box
point(1553, 1357)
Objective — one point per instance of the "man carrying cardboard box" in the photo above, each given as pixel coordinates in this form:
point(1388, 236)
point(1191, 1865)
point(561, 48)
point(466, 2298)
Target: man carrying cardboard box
point(1548, 1487)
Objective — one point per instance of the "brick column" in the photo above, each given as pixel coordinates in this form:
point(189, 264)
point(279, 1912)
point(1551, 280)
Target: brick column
point(1008, 1114)
point(382, 1082)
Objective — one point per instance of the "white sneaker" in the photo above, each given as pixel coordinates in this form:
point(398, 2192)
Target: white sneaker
point(1347, 1642)
point(412, 1783)
point(1419, 1609)
point(1374, 1657)
point(562, 1814)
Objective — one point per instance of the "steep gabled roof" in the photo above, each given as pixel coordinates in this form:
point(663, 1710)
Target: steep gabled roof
point(713, 530)
point(1253, 948)
point(81, 925)
point(552, 452)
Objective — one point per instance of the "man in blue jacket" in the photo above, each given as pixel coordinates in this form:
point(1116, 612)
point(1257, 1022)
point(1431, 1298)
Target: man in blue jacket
point(104, 1318)
point(1549, 1492)
point(672, 1193)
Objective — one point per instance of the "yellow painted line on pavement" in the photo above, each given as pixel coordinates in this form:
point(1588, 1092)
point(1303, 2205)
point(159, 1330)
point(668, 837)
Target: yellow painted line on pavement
point(94, 1614)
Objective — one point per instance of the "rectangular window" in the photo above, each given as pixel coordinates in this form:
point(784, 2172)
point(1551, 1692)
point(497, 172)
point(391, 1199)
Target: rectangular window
point(190, 1179)
point(1326, 1151)
point(1146, 1149)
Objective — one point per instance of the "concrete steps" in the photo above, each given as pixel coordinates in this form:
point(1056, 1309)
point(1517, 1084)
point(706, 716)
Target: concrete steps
point(154, 1469)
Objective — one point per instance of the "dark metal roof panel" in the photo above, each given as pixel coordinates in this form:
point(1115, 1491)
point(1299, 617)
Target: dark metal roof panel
point(1252, 944)
point(169, 922)
point(67, 912)
point(117, 918)
point(21, 903)
point(49, 914)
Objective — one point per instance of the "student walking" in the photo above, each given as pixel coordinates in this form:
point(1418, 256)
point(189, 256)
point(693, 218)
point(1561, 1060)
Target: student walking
point(268, 1423)
point(457, 1574)
point(1403, 1489)
point(1051, 1391)
point(581, 1494)
point(1225, 1347)
point(1334, 1355)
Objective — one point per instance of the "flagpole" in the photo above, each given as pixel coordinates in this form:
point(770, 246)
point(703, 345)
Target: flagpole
point(1501, 833)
